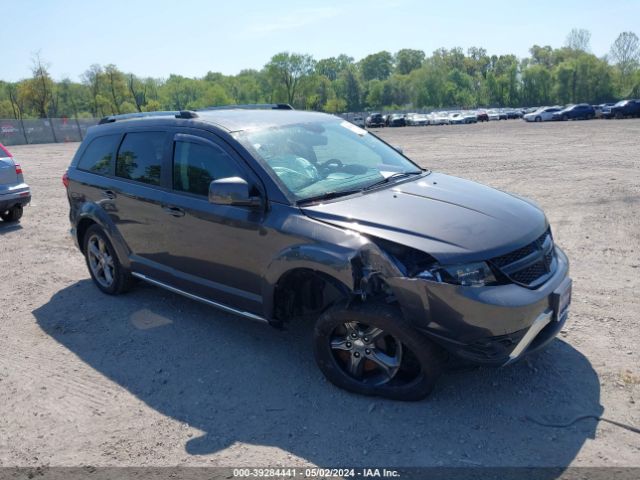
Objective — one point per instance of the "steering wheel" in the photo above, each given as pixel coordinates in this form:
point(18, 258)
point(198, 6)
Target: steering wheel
point(330, 165)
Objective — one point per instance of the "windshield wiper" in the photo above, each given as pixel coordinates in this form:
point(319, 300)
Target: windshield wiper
point(327, 196)
point(388, 179)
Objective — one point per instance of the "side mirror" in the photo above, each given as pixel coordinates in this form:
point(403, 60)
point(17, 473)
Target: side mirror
point(232, 191)
point(398, 148)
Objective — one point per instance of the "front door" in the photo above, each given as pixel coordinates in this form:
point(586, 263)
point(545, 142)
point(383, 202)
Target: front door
point(213, 250)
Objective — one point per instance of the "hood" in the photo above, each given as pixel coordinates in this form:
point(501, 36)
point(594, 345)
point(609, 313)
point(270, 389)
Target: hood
point(452, 219)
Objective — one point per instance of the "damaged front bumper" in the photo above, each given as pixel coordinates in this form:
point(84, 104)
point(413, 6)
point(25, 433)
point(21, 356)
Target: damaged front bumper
point(491, 325)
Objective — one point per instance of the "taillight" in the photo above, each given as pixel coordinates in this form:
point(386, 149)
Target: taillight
point(65, 180)
point(18, 169)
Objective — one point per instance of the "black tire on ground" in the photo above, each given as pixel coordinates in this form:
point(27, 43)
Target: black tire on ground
point(13, 215)
point(565, 118)
point(538, 119)
point(417, 365)
point(121, 279)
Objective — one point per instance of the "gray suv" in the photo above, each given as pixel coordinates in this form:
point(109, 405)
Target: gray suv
point(14, 193)
point(276, 215)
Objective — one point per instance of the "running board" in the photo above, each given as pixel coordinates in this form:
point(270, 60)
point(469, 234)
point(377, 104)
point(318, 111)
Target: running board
point(200, 299)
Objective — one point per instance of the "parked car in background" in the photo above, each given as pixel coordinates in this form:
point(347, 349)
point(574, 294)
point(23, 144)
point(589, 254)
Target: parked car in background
point(285, 222)
point(512, 114)
point(482, 116)
point(438, 118)
point(358, 120)
point(396, 120)
point(493, 114)
point(14, 193)
point(417, 119)
point(623, 109)
point(581, 111)
point(470, 117)
point(600, 109)
point(374, 120)
point(543, 114)
point(456, 118)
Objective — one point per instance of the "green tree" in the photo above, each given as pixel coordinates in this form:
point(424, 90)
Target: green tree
point(407, 60)
point(287, 70)
point(333, 66)
point(115, 89)
point(376, 66)
point(625, 52)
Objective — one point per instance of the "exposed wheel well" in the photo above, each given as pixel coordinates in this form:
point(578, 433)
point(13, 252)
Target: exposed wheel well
point(81, 229)
point(306, 292)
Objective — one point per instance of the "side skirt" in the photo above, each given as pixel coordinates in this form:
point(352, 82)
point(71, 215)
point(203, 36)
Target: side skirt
point(200, 299)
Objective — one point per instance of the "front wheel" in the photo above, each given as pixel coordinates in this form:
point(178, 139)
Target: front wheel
point(371, 349)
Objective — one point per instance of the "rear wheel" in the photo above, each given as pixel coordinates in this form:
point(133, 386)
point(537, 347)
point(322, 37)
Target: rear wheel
point(105, 268)
point(371, 349)
point(13, 215)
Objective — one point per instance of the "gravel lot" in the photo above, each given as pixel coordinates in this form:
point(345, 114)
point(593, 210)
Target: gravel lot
point(151, 378)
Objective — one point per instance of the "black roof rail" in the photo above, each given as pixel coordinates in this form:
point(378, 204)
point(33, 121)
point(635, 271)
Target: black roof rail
point(251, 106)
point(129, 116)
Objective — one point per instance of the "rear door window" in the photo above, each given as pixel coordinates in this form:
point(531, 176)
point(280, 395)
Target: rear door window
point(140, 157)
point(196, 164)
point(98, 156)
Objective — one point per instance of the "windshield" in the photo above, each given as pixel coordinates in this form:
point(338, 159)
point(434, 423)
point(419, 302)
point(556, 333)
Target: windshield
point(322, 158)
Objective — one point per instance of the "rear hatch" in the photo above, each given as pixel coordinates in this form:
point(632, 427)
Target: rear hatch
point(8, 175)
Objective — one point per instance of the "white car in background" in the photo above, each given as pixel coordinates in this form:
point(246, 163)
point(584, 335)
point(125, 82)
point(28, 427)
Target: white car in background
point(470, 117)
point(543, 114)
point(417, 119)
point(438, 118)
point(493, 114)
point(456, 118)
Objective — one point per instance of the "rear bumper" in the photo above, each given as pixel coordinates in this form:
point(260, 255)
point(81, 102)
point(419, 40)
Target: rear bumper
point(487, 325)
point(15, 195)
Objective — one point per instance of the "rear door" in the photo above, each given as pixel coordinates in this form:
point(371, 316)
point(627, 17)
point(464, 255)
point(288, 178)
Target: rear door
point(137, 191)
point(213, 250)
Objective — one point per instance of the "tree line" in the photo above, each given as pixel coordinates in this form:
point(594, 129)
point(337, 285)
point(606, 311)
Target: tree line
point(380, 81)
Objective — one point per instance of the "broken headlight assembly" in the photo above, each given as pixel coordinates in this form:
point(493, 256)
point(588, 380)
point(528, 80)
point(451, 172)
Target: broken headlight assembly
point(417, 264)
point(477, 274)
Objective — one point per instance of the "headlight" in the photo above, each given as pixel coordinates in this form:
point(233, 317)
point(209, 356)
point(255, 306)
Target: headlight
point(469, 275)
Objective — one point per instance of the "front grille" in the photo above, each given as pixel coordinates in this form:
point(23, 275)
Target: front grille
point(529, 265)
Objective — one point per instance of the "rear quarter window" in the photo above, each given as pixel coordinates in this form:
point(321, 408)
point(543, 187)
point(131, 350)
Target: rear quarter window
point(98, 156)
point(140, 157)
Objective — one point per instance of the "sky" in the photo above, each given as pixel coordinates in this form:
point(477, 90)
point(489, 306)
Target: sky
point(191, 37)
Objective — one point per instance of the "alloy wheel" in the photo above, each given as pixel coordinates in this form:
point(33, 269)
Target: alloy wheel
point(100, 261)
point(367, 354)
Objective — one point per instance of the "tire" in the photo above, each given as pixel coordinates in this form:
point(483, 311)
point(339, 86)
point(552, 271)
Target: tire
point(538, 119)
point(105, 269)
point(13, 215)
point(564, 118)
point(412, 363)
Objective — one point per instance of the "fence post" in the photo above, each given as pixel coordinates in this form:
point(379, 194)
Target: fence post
point(53, 132)
point(79, 129)
point(24, 131)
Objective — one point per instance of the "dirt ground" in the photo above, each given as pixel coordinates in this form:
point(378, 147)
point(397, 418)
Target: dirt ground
point(151, 378)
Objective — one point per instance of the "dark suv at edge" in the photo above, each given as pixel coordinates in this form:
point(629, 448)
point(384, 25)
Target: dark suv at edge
point(275, 215)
